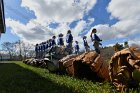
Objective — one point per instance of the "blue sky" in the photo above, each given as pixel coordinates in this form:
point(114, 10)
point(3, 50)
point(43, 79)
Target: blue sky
point(30, 20)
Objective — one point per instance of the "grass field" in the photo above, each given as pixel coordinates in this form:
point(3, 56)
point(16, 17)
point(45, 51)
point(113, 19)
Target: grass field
point(17, 77)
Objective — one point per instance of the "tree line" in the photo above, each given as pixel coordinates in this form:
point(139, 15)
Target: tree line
point(18, 50)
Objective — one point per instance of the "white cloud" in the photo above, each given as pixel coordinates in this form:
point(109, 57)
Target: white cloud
point(62, 12)
point(128, 13)
point(135, 42)
point(128, 27)
point(25, 32)
point(65, 11)
point(58, 10)
point(81, 25)
point(125, 9)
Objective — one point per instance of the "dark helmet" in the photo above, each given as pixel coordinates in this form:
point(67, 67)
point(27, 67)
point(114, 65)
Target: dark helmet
point(60, 35)
point(54, 37)
point(69, 31)
point(47, 41)
point(50, 40)
point(76, 41)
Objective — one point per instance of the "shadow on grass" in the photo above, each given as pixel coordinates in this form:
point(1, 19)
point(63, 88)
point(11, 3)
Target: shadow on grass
point(15, 79)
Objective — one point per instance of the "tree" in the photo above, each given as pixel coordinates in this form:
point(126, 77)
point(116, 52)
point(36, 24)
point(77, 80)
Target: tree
point(9, 47)
point(118, 47)
point(23, 49)
point(28, 50)
point(18, 50)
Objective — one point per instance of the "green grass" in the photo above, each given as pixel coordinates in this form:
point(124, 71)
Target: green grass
point(136, 75)
point(17, 77)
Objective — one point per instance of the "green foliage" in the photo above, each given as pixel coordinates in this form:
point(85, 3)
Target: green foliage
point(16, 77)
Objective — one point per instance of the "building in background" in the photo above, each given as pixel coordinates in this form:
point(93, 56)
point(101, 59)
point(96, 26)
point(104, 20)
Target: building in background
point(2, 18)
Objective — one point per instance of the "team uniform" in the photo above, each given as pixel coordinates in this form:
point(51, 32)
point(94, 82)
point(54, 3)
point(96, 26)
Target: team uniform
point(96, 42)
point(86, 45)
point(53, 44)
point(69, 40)
point(76, 49)
point(60, 41)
